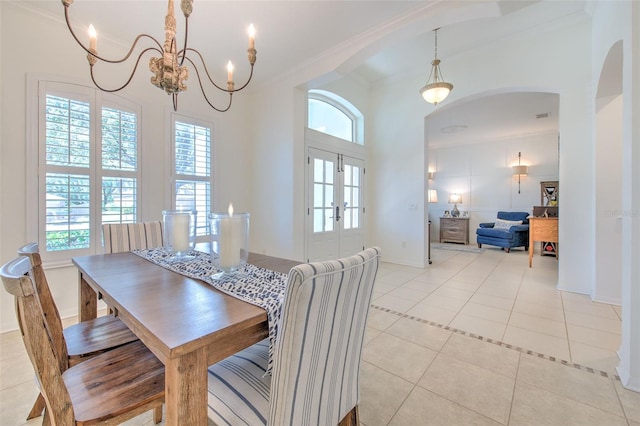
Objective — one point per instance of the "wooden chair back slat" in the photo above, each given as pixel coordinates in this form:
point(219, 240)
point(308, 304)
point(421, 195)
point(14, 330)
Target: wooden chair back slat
point(48, 305)
point(37, 340)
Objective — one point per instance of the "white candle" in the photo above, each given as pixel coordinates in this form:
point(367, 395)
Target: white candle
point(230, 240)
point(252, 37)
point(180, 232)
point(229, 72)
point(93, 38)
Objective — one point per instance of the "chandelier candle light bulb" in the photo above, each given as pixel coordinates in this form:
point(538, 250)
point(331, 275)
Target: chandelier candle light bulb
point(93, 38)
point(229, 72)
point(252, 37)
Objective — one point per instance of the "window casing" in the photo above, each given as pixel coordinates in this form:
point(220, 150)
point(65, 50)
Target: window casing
point(192, 171)
point(87, 148)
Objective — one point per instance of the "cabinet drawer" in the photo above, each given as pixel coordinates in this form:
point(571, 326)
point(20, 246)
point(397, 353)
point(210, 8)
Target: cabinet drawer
point(448, 234)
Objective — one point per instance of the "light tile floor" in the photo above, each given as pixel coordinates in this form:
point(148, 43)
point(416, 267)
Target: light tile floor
point(474, 339)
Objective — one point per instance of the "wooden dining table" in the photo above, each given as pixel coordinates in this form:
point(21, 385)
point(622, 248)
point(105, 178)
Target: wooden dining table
point(185, 322)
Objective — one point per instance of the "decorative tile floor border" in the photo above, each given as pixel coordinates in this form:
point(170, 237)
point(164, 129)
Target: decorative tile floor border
point(499, 343)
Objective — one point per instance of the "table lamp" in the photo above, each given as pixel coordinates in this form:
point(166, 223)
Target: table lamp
point(455, 199)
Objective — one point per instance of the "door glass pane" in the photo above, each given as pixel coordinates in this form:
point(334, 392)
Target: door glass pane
point(317, 220)
point(328, 171)
point(318, 170)
point(355, 200)
point(351, 197)
point(323, 192)
point(328, 196)
point(328, 217)
point(348, 170)
point(347, 218)
point(317, 195)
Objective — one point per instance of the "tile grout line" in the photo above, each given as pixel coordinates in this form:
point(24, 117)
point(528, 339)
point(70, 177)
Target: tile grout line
point(499, 343)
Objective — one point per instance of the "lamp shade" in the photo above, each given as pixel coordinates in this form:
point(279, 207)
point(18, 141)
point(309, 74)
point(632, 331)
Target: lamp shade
point(520, 170)
point(437, 92)
point(455, 199)
point(432, 196)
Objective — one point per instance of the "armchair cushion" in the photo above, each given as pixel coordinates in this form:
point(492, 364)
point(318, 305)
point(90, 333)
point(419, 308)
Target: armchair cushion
point(505, 224)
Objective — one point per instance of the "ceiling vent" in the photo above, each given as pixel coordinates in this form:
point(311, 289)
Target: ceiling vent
point(543, 115)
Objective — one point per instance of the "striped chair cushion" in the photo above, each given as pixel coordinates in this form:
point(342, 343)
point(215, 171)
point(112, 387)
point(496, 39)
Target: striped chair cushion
point(119, 237)
point(317, 354)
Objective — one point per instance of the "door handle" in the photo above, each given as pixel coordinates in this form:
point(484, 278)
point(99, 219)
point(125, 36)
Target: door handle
point(337, 213)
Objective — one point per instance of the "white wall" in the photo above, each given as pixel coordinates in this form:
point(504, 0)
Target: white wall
point(608, 284)
point(614, 21)
point(481, 173)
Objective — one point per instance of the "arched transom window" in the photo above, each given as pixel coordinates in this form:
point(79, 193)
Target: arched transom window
point(335, 116)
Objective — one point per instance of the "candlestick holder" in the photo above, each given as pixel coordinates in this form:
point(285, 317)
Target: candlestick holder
point(229, 243)
point(179, 232)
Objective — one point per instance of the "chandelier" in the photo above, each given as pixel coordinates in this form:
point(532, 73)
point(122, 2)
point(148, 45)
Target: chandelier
point(436, 90)
point(169, 69)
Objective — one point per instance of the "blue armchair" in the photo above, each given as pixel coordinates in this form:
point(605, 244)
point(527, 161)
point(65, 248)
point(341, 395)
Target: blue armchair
point(511, 229)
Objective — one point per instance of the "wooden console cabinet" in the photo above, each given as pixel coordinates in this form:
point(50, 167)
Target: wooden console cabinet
point(542, 229)
point(454, 230)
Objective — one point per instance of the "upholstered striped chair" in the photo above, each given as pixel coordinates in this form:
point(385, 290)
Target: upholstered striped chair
point(119, 237)
point(317, 352)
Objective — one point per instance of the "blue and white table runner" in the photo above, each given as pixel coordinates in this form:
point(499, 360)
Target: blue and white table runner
point(258, 286)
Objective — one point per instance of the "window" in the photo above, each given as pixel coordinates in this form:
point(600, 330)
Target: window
point(192, 169)
point(88, 151)
point(331, 114)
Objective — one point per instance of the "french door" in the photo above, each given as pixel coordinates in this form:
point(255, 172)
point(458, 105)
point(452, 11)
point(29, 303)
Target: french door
point(335, 206)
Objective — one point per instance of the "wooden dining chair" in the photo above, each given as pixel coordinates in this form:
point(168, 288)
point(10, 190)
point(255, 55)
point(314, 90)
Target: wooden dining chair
point(76, 342)
point(119, 237)
point(112, 387)
point(317, 352)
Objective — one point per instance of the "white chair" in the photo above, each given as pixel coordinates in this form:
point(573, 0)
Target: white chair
point(317, 352)
point(119, 237)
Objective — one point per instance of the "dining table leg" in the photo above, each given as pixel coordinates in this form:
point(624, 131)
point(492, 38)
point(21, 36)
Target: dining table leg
point(87, 300)
point(186, 389)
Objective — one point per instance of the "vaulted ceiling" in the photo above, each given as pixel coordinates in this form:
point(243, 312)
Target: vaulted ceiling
point(396, 37)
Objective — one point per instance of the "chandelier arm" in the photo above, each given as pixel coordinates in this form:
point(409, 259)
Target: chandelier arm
point(206, 70)
point(203, 92)
point(186, 35)
point(246, 83)
point(112, 61)
point(130, 76)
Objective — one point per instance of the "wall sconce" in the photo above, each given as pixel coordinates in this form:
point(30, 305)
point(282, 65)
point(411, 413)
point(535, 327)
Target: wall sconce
point(432, 196)
point(455, 199)
point(520, 170)
point(431, 175)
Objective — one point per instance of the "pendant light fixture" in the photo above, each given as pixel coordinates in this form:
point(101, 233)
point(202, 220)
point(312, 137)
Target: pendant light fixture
point(436, 90)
